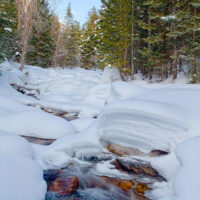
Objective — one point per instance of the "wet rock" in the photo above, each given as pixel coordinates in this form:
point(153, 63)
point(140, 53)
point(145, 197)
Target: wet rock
point(65, 185)
point(142, 188)
point(123, 151)
point(39, 140)
point(140, 196)
point(123, 184)
point(52, 174)
point(128, 151)
point(136, 166)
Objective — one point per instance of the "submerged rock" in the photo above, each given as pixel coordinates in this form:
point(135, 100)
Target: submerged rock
point(123, 184)
point(65, 185)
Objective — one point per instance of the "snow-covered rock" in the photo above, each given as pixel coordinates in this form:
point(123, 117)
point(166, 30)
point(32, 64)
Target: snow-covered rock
point(36, 124)
point(143, 125)
point(110, 74)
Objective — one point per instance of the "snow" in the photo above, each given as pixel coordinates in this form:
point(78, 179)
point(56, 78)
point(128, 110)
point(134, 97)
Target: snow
point(158, 116)
point(63, 151)
point(8, 29)
point(186, 182)
point(36, 124)
point(12, 145)
point(21, 179)
point(81, 124)
point(110, 74)
point(21, 176)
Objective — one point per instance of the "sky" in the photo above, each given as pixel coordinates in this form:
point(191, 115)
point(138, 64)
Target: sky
point(80, 8)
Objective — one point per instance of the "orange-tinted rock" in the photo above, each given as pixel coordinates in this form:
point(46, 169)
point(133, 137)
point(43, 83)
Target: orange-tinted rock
point(65, 185)
point(128, 151)
point(142, 187)
point(123, 184)
point(123, 151)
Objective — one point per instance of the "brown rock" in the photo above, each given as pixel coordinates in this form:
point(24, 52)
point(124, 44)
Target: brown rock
point(142, 187)
point(156, 153)
point(128, 151)
point(140, 196)
point(39, 140)
point(65, 185)
point(123, 184)
point(136, 167)
point(123, 151)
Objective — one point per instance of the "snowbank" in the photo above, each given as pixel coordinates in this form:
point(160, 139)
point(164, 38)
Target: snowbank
point(186, 182)
point(110, 74)
point(144, 125)
point(21, 177)
point(37, 124)
point(70, 148)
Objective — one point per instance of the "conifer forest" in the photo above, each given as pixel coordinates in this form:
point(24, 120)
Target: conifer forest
point(99, 99)
point(153, 37)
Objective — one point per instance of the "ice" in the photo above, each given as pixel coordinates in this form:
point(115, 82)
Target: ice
point(80, 146)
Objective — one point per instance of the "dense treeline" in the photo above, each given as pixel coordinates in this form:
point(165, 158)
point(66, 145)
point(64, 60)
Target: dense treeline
point(157, 38)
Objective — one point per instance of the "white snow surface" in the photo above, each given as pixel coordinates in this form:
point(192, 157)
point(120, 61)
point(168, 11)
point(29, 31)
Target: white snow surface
point(21, 177)
point(36, 124)
point(158, 116)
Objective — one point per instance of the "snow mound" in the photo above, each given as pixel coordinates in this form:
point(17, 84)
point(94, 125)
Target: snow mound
point(12, 145)
point(110, 74)
point(123, 90)
point(21, 177)
point(36, 124)
point(144, 125)
point(186, 182)
point(81, 124)
point(64, 150)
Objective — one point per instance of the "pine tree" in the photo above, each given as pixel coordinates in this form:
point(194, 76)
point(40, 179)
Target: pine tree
point(71, 40)
point(8, 30)
point(42, 43)
point(89, 51)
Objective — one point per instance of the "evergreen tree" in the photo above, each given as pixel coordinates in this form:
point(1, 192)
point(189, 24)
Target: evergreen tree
point(42, 42)
point(71, 40)
point(8, 30)
point(117, 26)
point(89, 52)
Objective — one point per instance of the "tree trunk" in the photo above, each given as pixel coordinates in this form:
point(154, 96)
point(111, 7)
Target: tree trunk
point(132, 43)
point(26, 33)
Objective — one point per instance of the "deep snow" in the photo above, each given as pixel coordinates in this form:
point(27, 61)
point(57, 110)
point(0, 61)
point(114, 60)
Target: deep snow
point(134, 114)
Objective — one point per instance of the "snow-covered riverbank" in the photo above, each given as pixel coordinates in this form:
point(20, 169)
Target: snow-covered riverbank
point(143, 117)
